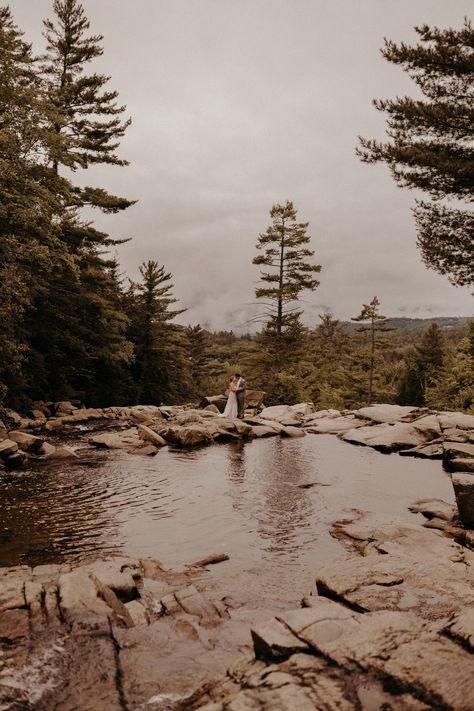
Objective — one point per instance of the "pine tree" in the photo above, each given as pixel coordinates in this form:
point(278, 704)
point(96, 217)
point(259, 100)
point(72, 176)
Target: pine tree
point(288, 273)
point(31, 195)
point(423, 366)
point(376, 325)
point(200, 355)
point(327, 378)
point(162, 367)
point(83, 292)
point(431, 144)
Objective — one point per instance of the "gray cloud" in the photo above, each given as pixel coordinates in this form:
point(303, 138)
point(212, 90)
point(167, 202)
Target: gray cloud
point(237, 105)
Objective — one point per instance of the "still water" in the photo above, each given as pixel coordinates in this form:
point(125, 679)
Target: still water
point(267, 503)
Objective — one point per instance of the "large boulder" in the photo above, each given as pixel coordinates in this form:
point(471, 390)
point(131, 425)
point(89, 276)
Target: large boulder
point(191, 435)
point(276, 412)
point(458, 420)
point(386, 438)
point(147, 434)
point(7, 448)
point(463, 484)
point(388, 414)
point(26, 441)
point(305, 409)
point(334, 425)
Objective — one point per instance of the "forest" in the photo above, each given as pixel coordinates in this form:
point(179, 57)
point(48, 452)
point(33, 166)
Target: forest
point(75, 327)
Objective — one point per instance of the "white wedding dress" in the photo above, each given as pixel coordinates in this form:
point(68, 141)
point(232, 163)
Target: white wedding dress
point(232, 407)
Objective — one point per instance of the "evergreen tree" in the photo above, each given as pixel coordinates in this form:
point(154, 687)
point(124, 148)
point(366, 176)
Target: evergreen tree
point(83, 293)
point(31, 195)
point(423, 366)
point(376, 325)
point(200, 356)
point(285, 253)
point(162, 367)
point(431, 143)
point(282, 342)
point(327, 378)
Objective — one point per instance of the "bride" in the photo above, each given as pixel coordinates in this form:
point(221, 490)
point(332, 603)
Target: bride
point(232, 407)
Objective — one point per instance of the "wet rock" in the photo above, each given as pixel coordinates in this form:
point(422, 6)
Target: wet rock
point(107, 440)
point(47, 449)
point(210, 560)
point(63, 452)
point(463, 484)
point(212, 408)
point(54, 424)
point(148, 435)
point(147, 450)
point(26, 441)
point(16, 460)
point(188, 436)
point(387, 414)
point(7, 447)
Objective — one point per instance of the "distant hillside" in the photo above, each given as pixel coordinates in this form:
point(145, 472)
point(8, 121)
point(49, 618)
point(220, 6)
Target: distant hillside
point(411, 328)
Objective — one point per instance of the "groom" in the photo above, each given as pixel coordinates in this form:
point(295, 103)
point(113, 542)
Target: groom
point(240, 392)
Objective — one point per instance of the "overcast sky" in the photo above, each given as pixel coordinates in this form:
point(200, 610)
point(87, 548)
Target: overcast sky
point(239, 104)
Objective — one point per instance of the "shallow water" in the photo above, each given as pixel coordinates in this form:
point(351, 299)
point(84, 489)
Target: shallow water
point(267, 503)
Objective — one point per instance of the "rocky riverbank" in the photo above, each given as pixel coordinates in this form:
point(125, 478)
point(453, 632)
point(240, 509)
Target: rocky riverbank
point(387, 625)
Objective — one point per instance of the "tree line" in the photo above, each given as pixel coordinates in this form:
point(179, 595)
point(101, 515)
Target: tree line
point(72, 325)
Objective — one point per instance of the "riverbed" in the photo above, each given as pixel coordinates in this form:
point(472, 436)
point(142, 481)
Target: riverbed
point(267, 503)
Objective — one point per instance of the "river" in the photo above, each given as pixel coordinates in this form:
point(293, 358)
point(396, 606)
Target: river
point(267, 503)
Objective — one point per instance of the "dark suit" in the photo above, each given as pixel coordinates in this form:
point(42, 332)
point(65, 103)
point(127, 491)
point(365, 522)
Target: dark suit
point(240, 392)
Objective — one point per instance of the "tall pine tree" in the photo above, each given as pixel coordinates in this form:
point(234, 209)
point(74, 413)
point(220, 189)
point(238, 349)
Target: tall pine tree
point(430, 144)
point(162, 367)
point(372, 332)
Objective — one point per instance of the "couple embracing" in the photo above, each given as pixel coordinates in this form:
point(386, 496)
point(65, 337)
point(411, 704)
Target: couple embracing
point(235, 406)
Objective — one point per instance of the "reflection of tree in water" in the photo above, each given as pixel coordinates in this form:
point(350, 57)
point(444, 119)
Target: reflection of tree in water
point(51, 513)
point(236, 461)
point(273, 472)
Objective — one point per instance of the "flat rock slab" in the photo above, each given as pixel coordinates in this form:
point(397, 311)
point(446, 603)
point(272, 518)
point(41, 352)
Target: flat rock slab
point(434, 508)
point(388, 414)
point(386, 437)
point(377, 660)
point(334, 425)
point(404, 567)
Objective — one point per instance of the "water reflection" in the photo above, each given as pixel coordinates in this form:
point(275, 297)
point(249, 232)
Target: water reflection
point(273, 497)
point(53, 513)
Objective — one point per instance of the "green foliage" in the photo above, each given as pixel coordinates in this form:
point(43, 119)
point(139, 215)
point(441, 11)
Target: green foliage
point(372, 334)
point(423, 365)
point(161, 368)
point(430, 144)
